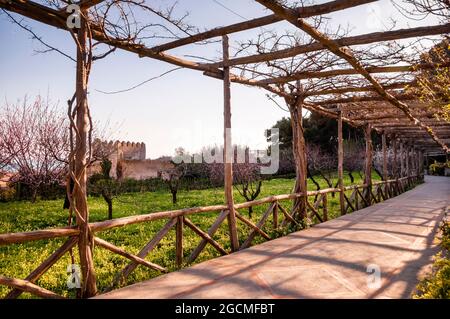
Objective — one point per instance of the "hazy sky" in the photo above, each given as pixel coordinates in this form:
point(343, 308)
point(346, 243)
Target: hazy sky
point(183, 108)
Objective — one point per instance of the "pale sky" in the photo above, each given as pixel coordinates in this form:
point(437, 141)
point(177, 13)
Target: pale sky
point(183, 108)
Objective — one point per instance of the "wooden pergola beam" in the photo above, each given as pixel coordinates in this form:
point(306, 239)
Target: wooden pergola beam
point(85, 4)
point(398, 124)
point(338, 72)
point(370, 88)
point(304, 12)
point(365, 98)
point(346, 54)
point(58, 19)
point(415, 129)
point(385, 107)
point(347, 41)
point(374, 116)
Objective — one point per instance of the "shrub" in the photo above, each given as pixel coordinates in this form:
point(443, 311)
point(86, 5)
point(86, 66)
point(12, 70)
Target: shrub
point(438, 168)
point(7, 194)
point(437, 284)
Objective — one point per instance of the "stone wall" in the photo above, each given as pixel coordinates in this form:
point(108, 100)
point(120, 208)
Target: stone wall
point(143, 169)
point(128, 161)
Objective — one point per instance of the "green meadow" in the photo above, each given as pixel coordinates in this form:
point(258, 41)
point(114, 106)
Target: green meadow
point(18, 260)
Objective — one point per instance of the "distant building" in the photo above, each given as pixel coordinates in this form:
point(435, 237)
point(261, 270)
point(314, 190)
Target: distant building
point(128, 161)
point(5, 178)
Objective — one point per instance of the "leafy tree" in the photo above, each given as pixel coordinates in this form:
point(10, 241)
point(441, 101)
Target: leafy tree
point(432, 85)
point(285, 133)
point(318, 129)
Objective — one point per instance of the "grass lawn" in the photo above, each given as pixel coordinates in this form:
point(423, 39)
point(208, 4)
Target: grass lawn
point(19, 260)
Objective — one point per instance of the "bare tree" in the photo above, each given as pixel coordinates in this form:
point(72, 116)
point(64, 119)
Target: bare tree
point(173, 179)
point(104, 185)
point(248, 180)
point(354, 157)
point(314, 156)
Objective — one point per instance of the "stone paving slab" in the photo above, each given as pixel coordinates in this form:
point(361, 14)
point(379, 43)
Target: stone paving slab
point(329, 260)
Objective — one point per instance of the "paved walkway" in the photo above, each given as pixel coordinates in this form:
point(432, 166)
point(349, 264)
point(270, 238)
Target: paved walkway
point(329, 260)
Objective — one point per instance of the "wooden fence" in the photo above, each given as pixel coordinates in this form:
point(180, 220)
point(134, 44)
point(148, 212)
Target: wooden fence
point(277, 216)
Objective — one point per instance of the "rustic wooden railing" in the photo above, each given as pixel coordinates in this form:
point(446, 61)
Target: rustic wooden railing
point(360, 196)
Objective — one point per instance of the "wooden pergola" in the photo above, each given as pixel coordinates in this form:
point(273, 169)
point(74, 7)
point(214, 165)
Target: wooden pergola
point(409, 125)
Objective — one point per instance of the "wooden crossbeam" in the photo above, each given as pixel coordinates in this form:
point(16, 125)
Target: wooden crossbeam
point(375, 116)
point(386, 124)
point(211, 231)
point(58, 19)
point(124, 273)
point(400, 129)
point(330, 73)
point(85, 4)
point(287, 216)
point(347, 41)
point(134, 258)
point(396, 85)
point(29, 287)
point(46, 264)
point(418, 105)
point(304, 12)
point(260, 224)
point(346, 54)
point(252, 225)
point(205, 236)
point(367, 98)
point(315, 212)
point(15, 238)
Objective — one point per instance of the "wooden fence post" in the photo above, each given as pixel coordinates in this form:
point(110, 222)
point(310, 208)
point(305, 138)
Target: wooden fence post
point(179, 241)
point(228, 149)
point(341, 164)
point(325, 207)
point(85, 242)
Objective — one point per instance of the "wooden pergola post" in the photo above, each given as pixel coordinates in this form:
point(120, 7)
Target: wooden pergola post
point(299, 151)
point(368, 166)
point(420, 163)
point(395, 158)
point(85, 242)
point(402, 159)
point(407, 160)
point(395, 165)
point(341, 164)
point(228, 148)
point(383, 143)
